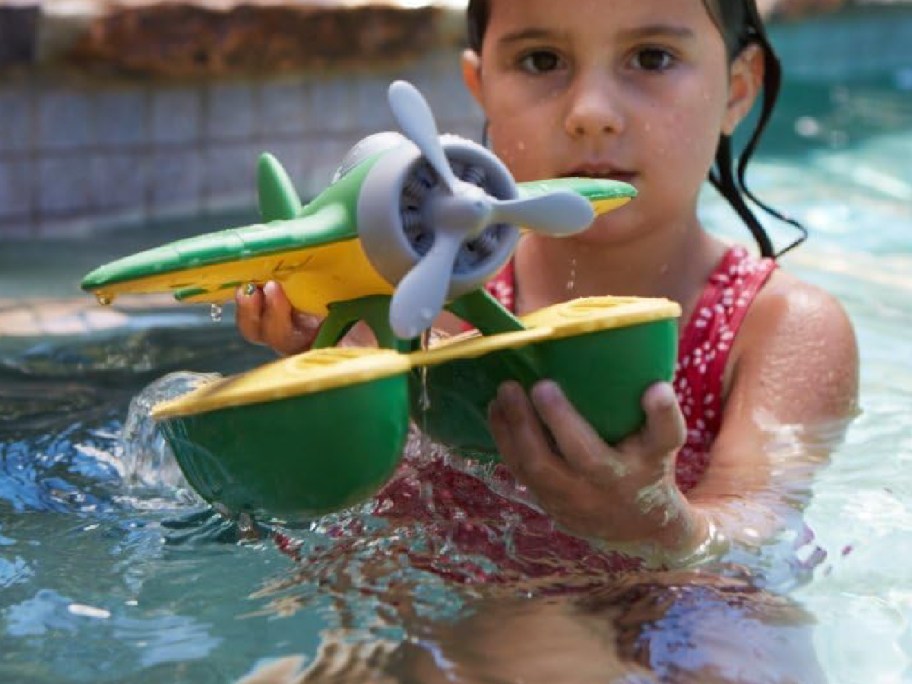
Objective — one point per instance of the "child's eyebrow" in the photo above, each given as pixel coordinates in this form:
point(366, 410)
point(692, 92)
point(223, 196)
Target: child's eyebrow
point(527, 34)
point(638, 33)
point(657, 31)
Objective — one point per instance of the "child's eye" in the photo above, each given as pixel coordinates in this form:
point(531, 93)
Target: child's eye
point(653, 59)
point(540, 61)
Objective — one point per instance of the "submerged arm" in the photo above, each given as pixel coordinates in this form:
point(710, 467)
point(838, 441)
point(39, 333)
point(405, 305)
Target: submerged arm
point(792, 390)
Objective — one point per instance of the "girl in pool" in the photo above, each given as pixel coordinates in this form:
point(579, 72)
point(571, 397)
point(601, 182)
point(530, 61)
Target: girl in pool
point(648, 92)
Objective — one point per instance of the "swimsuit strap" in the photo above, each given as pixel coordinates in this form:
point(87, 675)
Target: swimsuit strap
point(705, 345)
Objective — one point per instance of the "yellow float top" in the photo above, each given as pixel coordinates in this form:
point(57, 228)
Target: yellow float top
point(576, 317)
point(314, 371)
point(325, 369)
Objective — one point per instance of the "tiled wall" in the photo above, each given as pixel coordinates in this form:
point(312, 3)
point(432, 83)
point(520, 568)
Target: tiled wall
point(78, 156)
point(849, 44)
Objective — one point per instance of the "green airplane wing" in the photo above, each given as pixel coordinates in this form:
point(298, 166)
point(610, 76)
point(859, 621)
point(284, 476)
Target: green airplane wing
point(604, 195)
point(220, 261)
point(313, 250)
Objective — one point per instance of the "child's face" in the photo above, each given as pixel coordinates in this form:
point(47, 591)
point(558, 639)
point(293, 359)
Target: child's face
point(637, 90)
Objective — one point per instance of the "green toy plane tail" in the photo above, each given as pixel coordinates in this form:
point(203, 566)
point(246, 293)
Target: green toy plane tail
point(277, 197)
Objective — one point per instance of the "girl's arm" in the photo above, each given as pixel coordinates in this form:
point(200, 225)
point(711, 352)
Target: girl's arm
point(792, 390)
point(793, 380)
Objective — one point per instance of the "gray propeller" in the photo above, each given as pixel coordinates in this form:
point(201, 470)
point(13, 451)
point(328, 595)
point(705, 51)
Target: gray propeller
point(460, 214)
point(415, 118)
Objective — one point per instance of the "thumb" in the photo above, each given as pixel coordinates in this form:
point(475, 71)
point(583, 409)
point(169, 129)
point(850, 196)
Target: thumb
point(665, 429)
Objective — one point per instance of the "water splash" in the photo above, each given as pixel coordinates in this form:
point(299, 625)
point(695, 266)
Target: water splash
point(147, 459)
point(215, 313)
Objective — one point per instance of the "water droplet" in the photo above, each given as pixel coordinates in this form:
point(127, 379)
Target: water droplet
point(571, 281)
point(104, 300)
point(424, 399)
point(215, 313)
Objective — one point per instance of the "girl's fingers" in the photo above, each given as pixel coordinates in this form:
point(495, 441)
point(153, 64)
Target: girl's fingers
point(523, 443)
point(249, 312)
point(276, 325)
point(580, 445)
point(665, 429)
point(266, 316)
point(283, 328)
point(305, 323)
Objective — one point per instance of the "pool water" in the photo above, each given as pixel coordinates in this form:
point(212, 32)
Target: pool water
point(112, 571)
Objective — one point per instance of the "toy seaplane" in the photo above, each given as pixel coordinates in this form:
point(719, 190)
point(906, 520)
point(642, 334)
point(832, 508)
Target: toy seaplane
point(412, 224)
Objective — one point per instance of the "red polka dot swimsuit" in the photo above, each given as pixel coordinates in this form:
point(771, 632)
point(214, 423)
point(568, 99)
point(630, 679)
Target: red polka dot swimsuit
point(703, 350)
point(468, 517)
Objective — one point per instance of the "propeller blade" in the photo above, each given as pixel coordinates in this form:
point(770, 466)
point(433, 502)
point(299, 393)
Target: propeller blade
point(421, 294)
point(557, 213)
point(415, 118)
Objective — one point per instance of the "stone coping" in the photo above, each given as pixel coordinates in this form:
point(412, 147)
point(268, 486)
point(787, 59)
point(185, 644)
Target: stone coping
point(76, 316)
point(180, 39)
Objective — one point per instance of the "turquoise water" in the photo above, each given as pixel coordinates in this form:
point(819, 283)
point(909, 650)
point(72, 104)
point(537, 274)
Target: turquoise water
point(111, 571)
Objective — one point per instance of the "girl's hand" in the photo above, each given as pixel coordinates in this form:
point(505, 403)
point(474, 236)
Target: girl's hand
point(265, 316)
point(624, 495)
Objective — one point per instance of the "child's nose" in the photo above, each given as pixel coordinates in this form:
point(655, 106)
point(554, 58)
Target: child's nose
point(594, 109)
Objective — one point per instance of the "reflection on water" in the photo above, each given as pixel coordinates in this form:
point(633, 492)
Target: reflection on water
point(681, 627)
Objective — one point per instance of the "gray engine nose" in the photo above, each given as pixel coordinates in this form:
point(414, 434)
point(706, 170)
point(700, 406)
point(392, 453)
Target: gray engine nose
point(401, 196)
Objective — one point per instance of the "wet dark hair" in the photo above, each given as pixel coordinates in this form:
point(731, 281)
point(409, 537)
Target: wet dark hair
point(740, 24)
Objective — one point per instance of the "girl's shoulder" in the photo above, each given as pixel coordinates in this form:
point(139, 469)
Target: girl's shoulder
point(798, 336)
point(808, 310)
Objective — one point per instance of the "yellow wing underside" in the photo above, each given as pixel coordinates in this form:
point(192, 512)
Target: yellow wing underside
point(312, 278)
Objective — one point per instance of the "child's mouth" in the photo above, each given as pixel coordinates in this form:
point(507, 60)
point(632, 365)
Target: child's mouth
point(603, 174)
